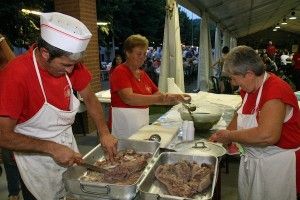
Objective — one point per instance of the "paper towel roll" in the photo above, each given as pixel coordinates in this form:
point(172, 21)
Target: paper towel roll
point(172, 87)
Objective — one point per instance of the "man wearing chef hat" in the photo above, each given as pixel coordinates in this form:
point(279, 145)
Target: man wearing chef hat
point(38, 108)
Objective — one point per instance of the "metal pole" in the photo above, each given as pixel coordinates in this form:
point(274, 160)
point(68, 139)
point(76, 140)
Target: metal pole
point(192, 30)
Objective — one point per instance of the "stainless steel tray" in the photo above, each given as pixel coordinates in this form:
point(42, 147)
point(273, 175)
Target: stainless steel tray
point(150, 188)
point(96, 190)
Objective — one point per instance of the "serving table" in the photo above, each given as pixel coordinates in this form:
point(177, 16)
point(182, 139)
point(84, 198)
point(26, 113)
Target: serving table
point(172, 121)
point(227, 103)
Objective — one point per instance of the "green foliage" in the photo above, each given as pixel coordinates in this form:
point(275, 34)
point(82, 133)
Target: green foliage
point(21, 29)
point(126, 17)
point(143, 17)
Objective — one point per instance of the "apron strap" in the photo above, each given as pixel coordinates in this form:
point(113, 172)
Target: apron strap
point(40, 79)
point(258, 96)
point(38, 74)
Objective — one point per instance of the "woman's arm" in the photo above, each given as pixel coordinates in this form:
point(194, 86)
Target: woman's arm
point(215, 63)
point(233, 124)
point(268, 131)
point(134, 99)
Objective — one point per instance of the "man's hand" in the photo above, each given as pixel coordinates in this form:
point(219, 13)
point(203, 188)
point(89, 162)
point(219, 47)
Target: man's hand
point(64, 155)
point(109, 144)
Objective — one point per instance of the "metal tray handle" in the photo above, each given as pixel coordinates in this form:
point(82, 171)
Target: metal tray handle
point(167, 197)
point(107, 188)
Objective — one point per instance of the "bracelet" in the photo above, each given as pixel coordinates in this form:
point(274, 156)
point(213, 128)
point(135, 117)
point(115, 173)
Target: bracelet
point(1, 39)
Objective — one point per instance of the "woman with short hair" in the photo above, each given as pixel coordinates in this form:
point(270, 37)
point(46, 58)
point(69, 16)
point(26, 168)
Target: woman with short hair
point(132, 91)
point(267, 126)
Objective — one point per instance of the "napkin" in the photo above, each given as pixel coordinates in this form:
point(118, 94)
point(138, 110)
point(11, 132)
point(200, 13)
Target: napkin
point(172, 87)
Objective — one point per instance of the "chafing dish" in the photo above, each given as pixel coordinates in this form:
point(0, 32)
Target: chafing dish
point(150, 188)
point(97, 190)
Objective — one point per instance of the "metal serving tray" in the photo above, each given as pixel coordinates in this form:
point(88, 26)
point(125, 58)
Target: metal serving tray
point(100, 190)
point(150, 188)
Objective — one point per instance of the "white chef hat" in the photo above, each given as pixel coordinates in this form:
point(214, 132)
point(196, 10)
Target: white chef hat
point(64, 32)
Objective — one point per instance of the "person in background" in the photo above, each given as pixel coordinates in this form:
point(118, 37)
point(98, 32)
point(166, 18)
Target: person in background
point(157, 55)
point(271, 50)
point(116, 62)
point(149, 54)
point(269, 64)
point(157, 63)
point(10, 166)
point(284, 57)
point(151, 72)
point(222, 74)
point(132, 91)
point(267, 125)
point(296, 65)
point(186, 64)
point(38, 108)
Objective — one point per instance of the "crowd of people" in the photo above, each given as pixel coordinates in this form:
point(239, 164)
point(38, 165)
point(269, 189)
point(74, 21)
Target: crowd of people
point(278, 61)
point(282, 63)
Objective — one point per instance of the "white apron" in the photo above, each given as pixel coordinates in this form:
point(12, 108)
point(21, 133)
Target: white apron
point(265, 173)
point(127, 121)
point(40, 173)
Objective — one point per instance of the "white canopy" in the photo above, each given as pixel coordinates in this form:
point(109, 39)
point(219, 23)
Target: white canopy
point(234, 18)
point(242, 18)
point(172, 66)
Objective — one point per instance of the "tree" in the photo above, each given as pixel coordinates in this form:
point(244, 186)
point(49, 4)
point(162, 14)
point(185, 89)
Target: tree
point(185, 28)
point(129, 17)
point(126, 17)
point(22, 29)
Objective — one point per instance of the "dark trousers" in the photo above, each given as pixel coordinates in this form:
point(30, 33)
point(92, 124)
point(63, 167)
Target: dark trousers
point(26, 193)
point(297, 79)
point(12, 173)
point(14, 180)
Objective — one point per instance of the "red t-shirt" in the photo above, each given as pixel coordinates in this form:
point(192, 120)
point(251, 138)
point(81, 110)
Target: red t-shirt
point(296, 59)
point(20, 92)
point(276, 88)
point(271, 50)
point(124, 78)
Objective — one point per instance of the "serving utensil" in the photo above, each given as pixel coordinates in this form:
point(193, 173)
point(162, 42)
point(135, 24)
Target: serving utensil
point(91, 167)
point(154, 137)
point(190, 110)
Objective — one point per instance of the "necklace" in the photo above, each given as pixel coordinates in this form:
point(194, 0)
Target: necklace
point(136, 73)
